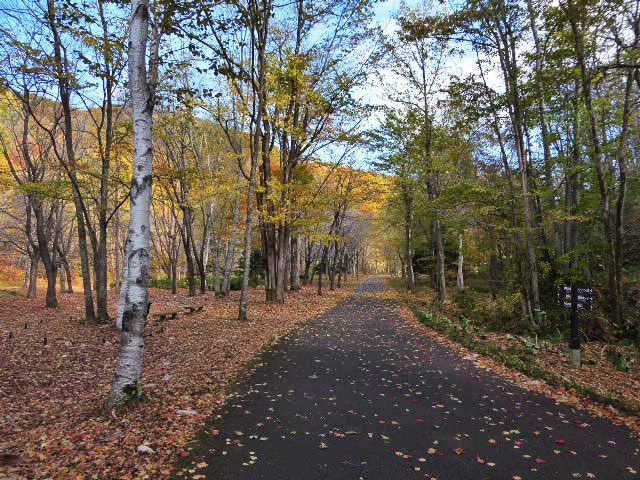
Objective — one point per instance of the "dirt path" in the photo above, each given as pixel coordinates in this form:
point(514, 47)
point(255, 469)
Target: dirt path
point(358, 393)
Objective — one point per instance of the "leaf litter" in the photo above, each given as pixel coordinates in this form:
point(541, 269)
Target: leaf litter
point(56, 372)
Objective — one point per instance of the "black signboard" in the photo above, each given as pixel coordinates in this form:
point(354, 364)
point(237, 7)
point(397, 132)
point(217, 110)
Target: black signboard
point(584, 297)
point(575, 298)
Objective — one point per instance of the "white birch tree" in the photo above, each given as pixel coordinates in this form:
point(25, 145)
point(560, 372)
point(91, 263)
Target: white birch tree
point(126, 382)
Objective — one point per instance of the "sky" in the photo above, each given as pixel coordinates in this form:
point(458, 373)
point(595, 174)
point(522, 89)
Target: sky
point(377, 93)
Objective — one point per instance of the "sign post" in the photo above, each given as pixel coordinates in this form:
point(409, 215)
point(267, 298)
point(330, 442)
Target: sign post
point(576, 299)
point(574, 341)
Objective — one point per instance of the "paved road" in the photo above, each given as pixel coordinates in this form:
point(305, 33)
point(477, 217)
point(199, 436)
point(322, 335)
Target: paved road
point(358, 393)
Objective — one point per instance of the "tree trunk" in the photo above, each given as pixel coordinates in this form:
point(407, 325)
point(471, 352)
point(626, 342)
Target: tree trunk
point(231, 245)
point(202, 271)
point(524, 285)
point(117, 271)
point(441, 281)
point(271, 262)
point(281, 262)
point(544, 131)
point(217, 281)
point(126, 382)
point(64, 90)
point(258, 146)
point(187, 243)
point(67, 270)
point(308, 261)
point(51, 299)
point(505, 40)
point(332, 267)
point(246, 268)
point(460, 277)
point(287, 268)
point(295, 263)
point(321, 267)
point(63, 281)
point(102, 278)
point(408, 238)
point(33, 275)
point(599, 163)
point(174, 276)
point(340, 270)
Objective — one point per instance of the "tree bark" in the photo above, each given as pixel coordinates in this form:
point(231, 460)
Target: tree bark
point(460, 277)
point(217, 281)
point(230, 253)
point(599, 164)
point(258, 147)
point(440, 270)
point(126, 382)
point(281, 262)
point(295, 263)
point(67, 271)
point(63, 281)
point(34, 259)
point(408, 239)
point(64, 89)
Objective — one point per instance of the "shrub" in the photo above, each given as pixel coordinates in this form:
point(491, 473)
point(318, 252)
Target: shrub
point(236, 282)
point(621, 361)
point(465, 302)
point(162, 282)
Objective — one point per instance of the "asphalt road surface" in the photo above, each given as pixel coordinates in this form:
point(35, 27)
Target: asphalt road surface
point(358, 393)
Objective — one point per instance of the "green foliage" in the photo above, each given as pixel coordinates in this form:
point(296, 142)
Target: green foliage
point(530, 328)
point(620, 360)
point(556, 337)
point(235, 282)
point(476, 306)
point(532, 347)
point(256, 268)
point(464, 301)
point(506, 306)
point(161, 282)
point(467, 325)
point(134, 391)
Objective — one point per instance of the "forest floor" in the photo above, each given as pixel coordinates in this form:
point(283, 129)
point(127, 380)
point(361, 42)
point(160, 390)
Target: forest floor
point(607, 383)
point(56, 372)
point(365, 391)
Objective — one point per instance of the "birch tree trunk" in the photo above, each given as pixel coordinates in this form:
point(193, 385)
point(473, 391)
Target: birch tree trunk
point(440, 270)
point(460, 278)
point(408, 234)
point(126, 382)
